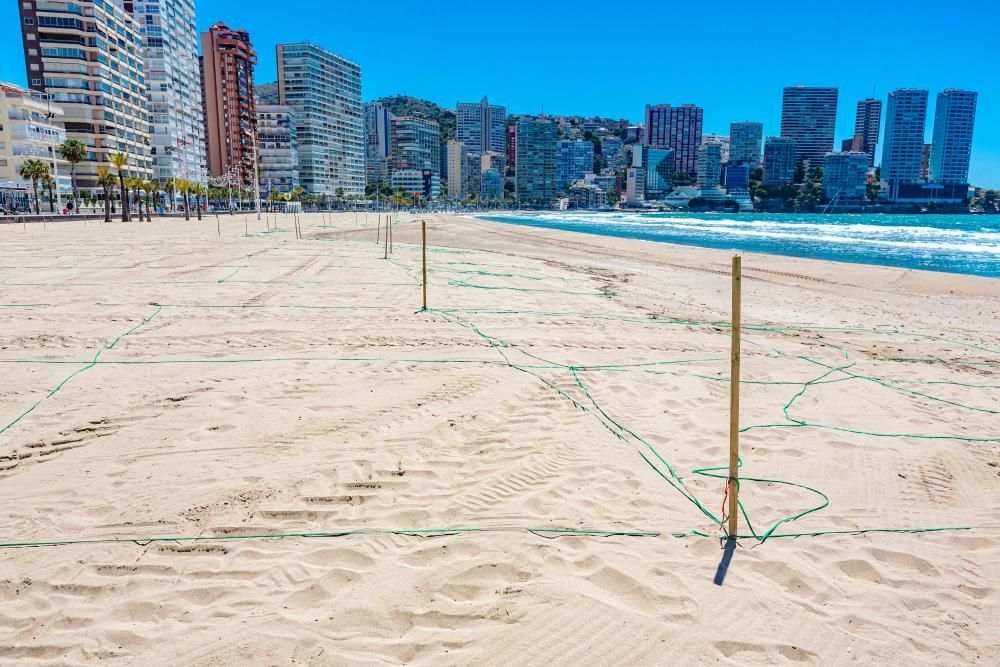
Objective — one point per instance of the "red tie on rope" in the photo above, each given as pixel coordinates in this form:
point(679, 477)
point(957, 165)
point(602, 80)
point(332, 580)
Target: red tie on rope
point(725, 496)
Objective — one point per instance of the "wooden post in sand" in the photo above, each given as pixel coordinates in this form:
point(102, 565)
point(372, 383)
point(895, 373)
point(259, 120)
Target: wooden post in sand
point(386, 240)
point(423, 236)
point(734, 403)
point(390, 235)
point(378, 230)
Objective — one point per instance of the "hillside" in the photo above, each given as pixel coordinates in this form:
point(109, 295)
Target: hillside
point(404, 105)
point(267, 93)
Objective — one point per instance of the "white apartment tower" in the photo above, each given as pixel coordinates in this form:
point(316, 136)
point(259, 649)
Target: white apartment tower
point(173, 82)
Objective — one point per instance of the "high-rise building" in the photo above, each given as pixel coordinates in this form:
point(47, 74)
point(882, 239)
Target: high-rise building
point(573, 160)
point(472, 174)
point(779, 161)
point(535, 178)
point(925, 163)
point(324, 89)
point(709, 166)
point(903, 144)
point(481, 126)
point(867, 122)
point(277, 148)
point(416, 148)
point(227, 63)
point(745, 143)
point(951, 146)
point(30, 129)
point(676, 128)
point(658, 170)
point(511, 149)
point(736, 176)
point(635, 185)
point(809, 118)
point(378, 142)
point(88, 55)
point(845, 175)
point(613, 154)
point(456, 166)
point(173, 83)
point(492, 185)
point(720, 140)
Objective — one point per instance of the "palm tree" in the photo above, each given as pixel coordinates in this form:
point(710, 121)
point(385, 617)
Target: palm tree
point(134, 184)
point(33, 170)
point(148, 187)
point(198, 190)
point(184, 188)
point(73, 151)
point(107, 181)
point(130, 182)
point(170, 187)
point(49, 184)
point(120, 160)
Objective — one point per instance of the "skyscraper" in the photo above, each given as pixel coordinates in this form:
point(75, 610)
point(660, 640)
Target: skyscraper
point(676, 128)
point(709, 166)
point(481, 126)
point(173, 80)
point(277, 148)
point(456, 166)
point(809, 118)
point(535, 179)
point(227, 63)
point(951, 147)
point(613, 153)
point(720, 140)
point(745, 143)
point(511, 149)
point(378, 143)
point(845, 175)
point(903, 144)
point(867, 122)
point(416, 153)
point(779, 161)
point(324, 89)
point(573, 160)
point(658, 169)
point(88, 55)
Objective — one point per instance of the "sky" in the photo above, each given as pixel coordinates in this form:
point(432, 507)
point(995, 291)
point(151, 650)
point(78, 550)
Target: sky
point(601, 58)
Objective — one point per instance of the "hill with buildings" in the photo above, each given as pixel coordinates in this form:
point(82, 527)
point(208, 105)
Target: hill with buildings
point(404, 105)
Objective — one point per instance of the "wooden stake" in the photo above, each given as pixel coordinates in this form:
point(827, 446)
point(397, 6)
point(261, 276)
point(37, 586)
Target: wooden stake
point(386, 240)
point(734, 403)
point(423, 235)
point(378, 229)
point(390, 235)
point(218, 226)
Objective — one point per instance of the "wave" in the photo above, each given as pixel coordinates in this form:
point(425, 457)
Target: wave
point(942, 242)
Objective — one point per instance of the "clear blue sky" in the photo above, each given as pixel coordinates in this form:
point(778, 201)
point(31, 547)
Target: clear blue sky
point(603, 58)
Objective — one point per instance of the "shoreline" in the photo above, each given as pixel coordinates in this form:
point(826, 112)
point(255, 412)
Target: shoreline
point(791, 249)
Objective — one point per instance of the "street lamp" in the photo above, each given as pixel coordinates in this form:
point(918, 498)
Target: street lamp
point(55, 163)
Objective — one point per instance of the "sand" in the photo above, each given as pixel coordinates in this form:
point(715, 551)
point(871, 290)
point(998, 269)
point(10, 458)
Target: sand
point(263, 385)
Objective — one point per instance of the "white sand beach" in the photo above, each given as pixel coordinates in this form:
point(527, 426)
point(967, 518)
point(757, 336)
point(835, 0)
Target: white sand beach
point(506, 478)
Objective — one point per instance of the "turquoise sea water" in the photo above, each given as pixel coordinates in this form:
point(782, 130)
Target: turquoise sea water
point(954, 243)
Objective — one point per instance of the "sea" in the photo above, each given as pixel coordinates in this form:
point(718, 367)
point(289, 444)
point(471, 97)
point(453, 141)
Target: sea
point(968, 244)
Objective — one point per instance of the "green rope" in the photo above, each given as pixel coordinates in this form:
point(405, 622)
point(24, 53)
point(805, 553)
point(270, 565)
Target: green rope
point(72, 375)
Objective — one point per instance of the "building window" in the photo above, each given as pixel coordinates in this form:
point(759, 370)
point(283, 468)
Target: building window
point(29, 21)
